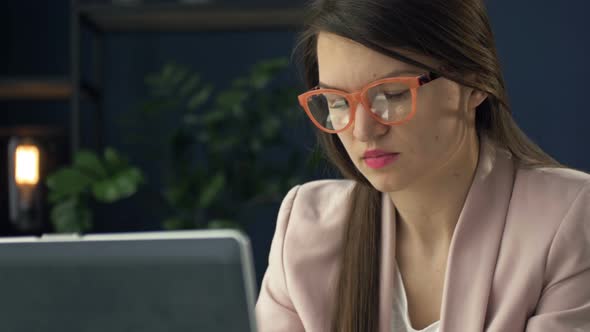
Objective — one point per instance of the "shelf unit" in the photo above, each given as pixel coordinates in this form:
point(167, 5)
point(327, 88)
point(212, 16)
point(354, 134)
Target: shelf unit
point(184, 17)
point(47, 88)
point(102, 17)
point(42, 88)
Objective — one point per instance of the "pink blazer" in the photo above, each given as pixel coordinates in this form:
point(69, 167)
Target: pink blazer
point(519, 258)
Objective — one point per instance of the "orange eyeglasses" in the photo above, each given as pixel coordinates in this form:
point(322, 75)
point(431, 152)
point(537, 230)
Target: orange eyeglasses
point(391, 101)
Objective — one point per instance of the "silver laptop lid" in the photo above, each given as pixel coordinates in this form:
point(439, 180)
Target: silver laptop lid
point(153, 281)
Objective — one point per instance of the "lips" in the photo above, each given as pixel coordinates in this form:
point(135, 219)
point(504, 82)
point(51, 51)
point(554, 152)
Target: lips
point(376, 153)
point(378, 158)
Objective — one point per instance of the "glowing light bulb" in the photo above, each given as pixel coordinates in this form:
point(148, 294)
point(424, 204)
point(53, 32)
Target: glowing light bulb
point(27, 165)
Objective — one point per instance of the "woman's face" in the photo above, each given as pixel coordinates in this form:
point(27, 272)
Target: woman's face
point(443, 122)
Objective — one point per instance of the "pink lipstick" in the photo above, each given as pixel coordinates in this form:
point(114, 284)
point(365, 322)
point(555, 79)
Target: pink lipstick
point(378, 158)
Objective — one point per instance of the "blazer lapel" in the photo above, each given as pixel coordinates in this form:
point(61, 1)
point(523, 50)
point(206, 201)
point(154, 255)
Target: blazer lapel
point(476, 243)
point(474, 246)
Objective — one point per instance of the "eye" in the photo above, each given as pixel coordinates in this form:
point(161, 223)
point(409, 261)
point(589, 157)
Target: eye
point(395, 95)
point(338, 103)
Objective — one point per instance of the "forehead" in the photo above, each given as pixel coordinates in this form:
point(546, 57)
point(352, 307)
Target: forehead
point(348, 65)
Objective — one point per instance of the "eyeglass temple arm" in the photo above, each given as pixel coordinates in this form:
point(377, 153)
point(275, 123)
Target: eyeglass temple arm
point(427, 78)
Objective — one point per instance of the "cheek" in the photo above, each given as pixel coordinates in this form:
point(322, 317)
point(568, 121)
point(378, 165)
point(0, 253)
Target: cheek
point(440, 103)
point(439, 121)
point(346, 140)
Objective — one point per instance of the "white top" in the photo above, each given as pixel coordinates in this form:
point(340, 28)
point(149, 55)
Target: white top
point(401, 320)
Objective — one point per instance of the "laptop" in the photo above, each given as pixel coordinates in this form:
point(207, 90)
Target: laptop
point(173, 281)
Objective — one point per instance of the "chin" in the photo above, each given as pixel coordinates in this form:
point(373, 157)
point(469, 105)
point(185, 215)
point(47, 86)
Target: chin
point(387, 182)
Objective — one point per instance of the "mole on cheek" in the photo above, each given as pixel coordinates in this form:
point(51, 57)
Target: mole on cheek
point(436, 138)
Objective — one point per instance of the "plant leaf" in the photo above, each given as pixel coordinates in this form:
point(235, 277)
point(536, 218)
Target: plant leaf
point(67, 181)
point(200, 97)
point(227, 99)
point(124, 184)
point(106, 191)
point(88, 162)
point(189, 85)
point(213, 117)
point(113, 161)
point(209, 192)
point(71, 216)
point(128, 181)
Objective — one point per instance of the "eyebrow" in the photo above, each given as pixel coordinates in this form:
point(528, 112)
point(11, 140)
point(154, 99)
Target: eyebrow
point(393, 73)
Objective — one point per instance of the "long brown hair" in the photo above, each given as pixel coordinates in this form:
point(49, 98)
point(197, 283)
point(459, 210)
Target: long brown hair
point(455, 32)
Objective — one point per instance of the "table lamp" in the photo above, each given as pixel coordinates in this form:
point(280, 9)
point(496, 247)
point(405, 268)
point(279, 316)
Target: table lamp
point(25, 202)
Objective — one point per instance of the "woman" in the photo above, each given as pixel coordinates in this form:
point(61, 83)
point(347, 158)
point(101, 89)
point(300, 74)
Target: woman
point(450, 219)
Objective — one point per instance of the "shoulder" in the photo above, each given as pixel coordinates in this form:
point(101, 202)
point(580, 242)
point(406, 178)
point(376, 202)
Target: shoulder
point(319, 199)
point(550, 187)
point(304, 255)
point(323, 188)
point(560, 199)
point(551, 203)
point(312, 215)
point(317, 215)
point(553, 176)
point(314, 208)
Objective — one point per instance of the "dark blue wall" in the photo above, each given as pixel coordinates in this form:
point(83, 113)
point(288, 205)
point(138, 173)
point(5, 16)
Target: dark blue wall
point(543, 46)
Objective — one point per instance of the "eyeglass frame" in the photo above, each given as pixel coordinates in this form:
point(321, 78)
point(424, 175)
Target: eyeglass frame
point(360, 97)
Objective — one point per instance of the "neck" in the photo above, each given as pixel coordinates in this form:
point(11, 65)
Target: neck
point(429, 209)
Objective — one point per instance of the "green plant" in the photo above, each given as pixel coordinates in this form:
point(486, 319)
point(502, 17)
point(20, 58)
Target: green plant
point(228, 151)
point(72, 188)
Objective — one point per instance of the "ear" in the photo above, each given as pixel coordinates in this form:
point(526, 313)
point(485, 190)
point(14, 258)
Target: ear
point(476, 97)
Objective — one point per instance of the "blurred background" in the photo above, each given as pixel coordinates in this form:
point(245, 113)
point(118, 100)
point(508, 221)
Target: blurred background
point(142, 115)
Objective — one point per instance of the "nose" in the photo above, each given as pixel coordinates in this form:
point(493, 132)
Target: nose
point(365, 127)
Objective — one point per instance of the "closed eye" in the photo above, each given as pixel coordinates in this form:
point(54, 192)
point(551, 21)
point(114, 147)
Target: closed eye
point(337, 103)
point(395, 95)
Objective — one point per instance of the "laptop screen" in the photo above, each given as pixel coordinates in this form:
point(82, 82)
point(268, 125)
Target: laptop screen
point(150, 285)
